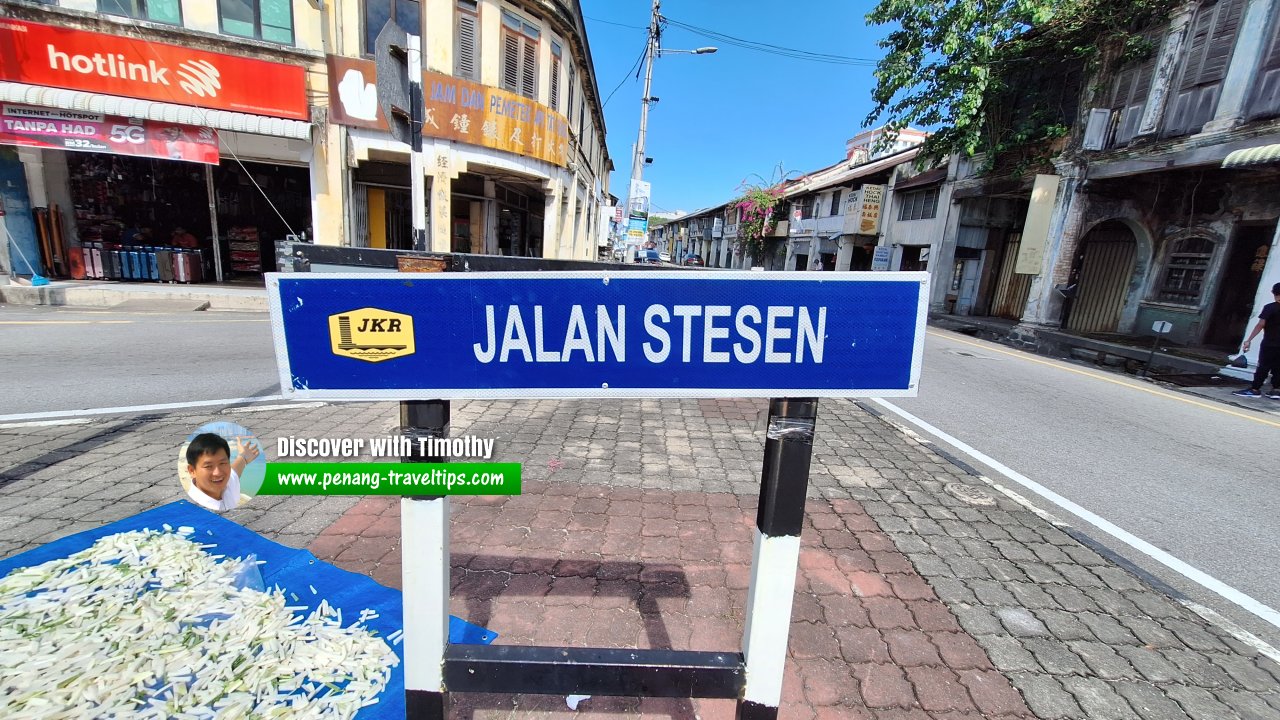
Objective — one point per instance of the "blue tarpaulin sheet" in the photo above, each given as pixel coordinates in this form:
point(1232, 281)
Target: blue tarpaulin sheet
point(295, 571)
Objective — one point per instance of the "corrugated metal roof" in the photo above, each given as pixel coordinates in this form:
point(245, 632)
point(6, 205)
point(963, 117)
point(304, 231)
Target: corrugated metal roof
point(842, 173)
point(928, 177)
point(148, 110)
point(1263, 155)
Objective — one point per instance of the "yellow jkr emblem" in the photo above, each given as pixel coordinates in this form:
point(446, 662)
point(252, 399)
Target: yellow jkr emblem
point(371, 334)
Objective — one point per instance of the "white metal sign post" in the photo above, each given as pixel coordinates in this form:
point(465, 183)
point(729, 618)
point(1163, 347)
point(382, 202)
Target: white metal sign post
point(785, 336)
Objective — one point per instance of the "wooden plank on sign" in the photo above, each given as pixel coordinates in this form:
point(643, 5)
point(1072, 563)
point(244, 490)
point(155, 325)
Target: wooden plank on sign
point(407, 263)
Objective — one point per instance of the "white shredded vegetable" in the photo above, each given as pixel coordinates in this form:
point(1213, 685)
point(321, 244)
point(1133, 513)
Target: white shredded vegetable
point(146, 624)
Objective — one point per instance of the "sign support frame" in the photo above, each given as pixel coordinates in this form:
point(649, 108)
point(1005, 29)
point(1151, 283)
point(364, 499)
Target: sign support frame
point(434, 668)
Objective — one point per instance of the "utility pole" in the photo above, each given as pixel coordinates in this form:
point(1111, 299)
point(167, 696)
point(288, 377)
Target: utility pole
point(637, 162)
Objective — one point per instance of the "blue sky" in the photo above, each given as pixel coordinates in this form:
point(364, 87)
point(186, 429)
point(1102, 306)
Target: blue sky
point(722, 118)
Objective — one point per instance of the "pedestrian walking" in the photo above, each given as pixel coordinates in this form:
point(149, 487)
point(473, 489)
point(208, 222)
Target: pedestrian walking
point(1268, 352)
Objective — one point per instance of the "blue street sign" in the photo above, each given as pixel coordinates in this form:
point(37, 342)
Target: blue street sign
point(593, 334)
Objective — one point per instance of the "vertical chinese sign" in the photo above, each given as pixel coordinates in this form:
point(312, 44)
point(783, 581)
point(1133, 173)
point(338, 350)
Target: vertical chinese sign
point(869, 209)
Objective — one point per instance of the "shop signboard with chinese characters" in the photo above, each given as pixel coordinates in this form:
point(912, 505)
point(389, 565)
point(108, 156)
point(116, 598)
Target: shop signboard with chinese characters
point(454, 109)
point(871, 201)
point(64, 57)
point(93, 132)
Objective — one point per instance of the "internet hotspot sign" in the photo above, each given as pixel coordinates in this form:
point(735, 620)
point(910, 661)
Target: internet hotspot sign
point(598, 334)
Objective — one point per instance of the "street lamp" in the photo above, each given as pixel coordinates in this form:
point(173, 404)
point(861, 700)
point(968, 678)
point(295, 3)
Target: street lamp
point(655, 51)
point(699, 51)
point(638, 158)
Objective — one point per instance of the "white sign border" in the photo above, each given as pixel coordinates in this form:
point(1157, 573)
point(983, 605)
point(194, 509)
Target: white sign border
point(606, 277)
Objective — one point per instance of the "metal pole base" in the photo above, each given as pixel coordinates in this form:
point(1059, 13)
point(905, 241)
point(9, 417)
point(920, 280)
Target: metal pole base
point(748, 710)
point(424, 705)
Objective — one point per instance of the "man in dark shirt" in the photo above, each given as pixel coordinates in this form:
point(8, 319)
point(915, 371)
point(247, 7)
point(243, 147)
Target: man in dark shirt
point(1269, 351)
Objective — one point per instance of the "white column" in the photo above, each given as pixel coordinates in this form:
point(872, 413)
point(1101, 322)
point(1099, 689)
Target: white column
point(32, 160)
point(424, 528)
point(1245, 61)
point(1044, 303)
point(551, 221)
point(844, 255)
point(1166, 70)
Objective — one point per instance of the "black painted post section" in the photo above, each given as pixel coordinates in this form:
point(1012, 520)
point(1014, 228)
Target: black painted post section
point(424, 419)
point(784, 485)
point(784, 481)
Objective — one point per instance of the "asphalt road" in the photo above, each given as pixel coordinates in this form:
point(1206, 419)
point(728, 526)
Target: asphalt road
point(1195, 478)
point(1192, 477)
point(63, 359)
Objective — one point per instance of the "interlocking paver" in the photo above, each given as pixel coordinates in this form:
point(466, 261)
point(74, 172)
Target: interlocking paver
point(635, 531)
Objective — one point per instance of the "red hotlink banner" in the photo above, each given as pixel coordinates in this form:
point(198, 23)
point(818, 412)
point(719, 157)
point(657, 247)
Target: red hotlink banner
point(89, 132)
point(113, 65)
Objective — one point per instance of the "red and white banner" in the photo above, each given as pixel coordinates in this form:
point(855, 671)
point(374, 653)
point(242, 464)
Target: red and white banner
point(113, 65)
point(89, 132)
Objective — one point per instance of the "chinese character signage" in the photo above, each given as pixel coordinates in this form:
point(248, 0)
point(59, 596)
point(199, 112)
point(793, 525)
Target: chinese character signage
point(455, 109)
point(869, 209)
point(97, 62)
point(92, 132)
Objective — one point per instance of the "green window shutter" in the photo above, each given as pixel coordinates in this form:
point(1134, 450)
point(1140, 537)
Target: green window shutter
point(277, 20)
point(237, 17)
point(165, 11)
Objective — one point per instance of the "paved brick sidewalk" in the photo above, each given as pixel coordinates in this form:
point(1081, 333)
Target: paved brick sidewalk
point(588, 565)
point(646, 508)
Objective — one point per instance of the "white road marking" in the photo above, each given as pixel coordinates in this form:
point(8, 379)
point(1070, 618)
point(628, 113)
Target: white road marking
point(45, 423)
point(1254, 606)
point(134, 408)
point(1241, 634)
point(268, 408)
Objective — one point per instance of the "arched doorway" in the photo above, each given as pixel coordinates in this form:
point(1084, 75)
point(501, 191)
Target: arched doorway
point(1102, 273)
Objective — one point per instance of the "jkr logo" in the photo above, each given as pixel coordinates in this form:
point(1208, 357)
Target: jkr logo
point(371, 334)
point(199, 77)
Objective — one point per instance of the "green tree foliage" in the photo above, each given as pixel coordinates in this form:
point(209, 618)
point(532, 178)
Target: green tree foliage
point(999, 76)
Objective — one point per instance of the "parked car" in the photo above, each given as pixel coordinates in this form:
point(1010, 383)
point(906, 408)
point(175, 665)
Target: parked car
point(666, 257)
point(648, 257)
point(693, 261)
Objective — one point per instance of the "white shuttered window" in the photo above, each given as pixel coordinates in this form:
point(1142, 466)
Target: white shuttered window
point(519, 55)
point(1211, 40)
point(466, 41)
point(555, 75)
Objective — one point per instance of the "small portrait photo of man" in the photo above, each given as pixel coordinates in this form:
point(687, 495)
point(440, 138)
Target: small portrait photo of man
point(221, 466)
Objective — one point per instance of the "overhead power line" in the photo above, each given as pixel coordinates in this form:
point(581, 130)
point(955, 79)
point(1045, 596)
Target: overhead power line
point(777, 50)
point(634, 68)
point(610, 22)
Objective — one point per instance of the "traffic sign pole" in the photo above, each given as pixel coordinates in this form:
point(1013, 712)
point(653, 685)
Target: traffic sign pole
point(424, 543)
point(784, 484)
